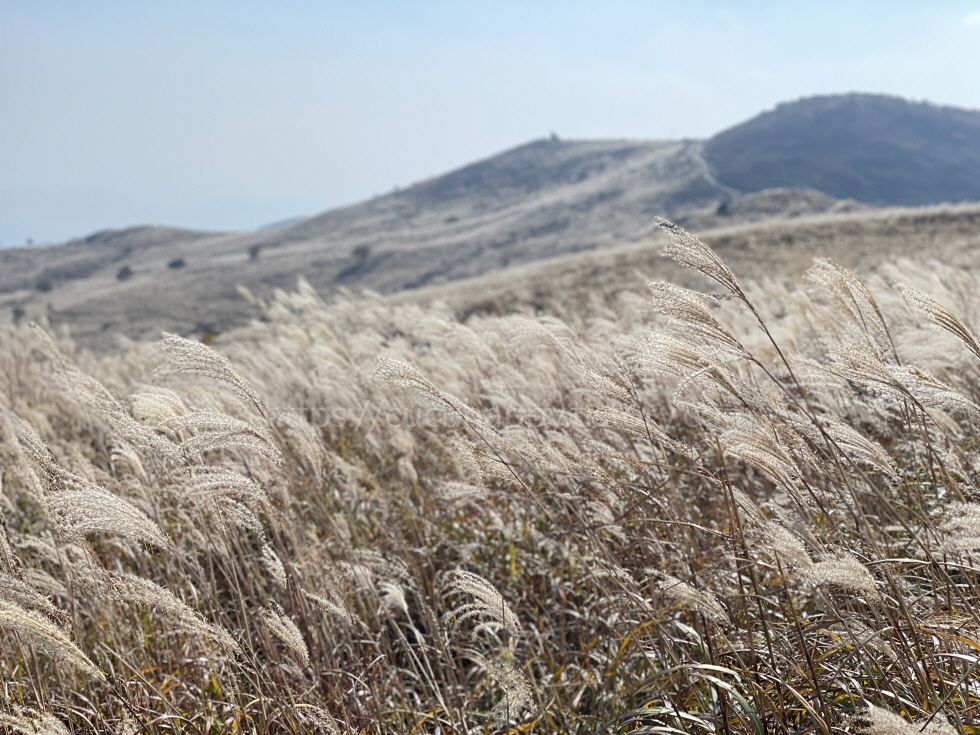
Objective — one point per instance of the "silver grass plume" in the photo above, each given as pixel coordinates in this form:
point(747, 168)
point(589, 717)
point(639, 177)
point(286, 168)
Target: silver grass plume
point(934, 312)
point(333, 607)
point(750, 442)
point(43, 635)
point(133, 588)
point(688, 308)
point(285, 630)
point(30, 722)
point(749, 507)
point(92, 394)
point(203, 430)
point(863, 366)
point(783, 546)
point(45, 584)
point(393, 597)
point(666, 354)
point(687, 250)
point(841, 570)
point(621, 420)
point(606, 386)
point(25, 595)
point(691, 598)
point(317, 720)
point(86, 508)
point(274, 565)
point(156, 406)
point(875, 720)
point(858, 447)
point(402, 373)
point(961, 526)
point(459, 492)
point(518, 696)
point(79, 507)
point(201, 484)
point(304, 440)
point(194, 357)
point(931, 392)
point(488, 605)
point(856, 300)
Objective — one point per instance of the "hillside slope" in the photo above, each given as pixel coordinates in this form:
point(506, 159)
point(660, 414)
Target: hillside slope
point(585, 283)
point(543, 199)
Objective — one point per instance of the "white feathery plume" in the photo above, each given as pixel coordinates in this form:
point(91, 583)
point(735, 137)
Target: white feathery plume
point(783, 546)
point(934, 312)
point(30, 722)
point(749, 507)
point(393, 597)
point(79, 507)
point(195, 357)
point(333, 607)
point(83, 508)
point(92, 394)
point(858, 447)
point(752, 443)
point(203, 430)
point(133, 588)
point(875, 720)
point(274, 565)
point(201, 484)
point(621, 420)
point(855, 300)
point(402, 373)
point(691, 598)
point(518, 697)
point(865, 367)
point(688, 308)
point(841, 570)
point(666, 354)
point(488, 604)
point(454, 492)
point(961, 525)
point(285, 630)
point(933, 393)
point(40, 633)
point(155, 406)
point(317, 719)
point(25, 595)
point(687, 250)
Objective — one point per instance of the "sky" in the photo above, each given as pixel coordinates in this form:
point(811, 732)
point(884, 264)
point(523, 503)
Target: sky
point(232, 115)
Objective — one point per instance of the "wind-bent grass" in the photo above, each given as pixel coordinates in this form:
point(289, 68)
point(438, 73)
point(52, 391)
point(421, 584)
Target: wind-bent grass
point(755, 512)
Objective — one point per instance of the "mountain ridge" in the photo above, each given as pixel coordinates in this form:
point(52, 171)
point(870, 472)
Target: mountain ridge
point(879, 149)
point(542, 199)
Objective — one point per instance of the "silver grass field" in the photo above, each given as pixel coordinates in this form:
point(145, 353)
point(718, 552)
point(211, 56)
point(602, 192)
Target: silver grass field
point(751, 508)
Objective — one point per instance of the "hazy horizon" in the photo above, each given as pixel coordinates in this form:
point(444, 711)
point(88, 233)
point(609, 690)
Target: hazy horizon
point(229, 117)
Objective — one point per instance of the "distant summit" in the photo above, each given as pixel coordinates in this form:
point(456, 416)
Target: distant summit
point(874, 148)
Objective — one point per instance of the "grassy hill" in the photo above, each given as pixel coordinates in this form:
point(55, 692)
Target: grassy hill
point(813, 158)
point(873, 148)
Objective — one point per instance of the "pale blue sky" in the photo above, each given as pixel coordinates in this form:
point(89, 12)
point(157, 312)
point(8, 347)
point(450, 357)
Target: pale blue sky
point(229, 115)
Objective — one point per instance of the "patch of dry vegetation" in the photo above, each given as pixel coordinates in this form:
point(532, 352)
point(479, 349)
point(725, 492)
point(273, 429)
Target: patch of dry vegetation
point(753, 511)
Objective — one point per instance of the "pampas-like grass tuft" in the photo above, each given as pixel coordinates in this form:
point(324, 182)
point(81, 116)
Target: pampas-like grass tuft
point(746, 512)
